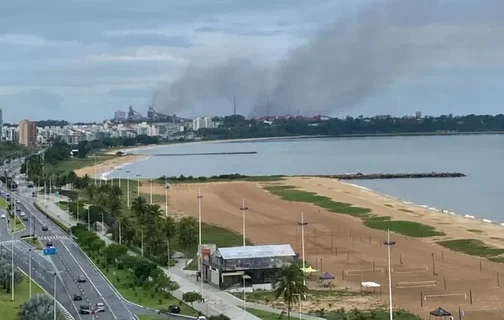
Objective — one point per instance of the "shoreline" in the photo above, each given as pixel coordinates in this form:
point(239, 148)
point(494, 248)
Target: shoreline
point(103, 169)
point(455, 225)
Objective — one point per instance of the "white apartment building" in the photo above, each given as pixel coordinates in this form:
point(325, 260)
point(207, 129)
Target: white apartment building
point(202, 122)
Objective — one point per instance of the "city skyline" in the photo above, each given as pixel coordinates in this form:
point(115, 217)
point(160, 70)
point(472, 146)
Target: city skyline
point(73, 65)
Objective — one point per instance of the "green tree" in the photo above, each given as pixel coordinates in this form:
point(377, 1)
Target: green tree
point(192, 297)
point(114, 251)
point(187, 233)
point(289, 285)
point(40, 307)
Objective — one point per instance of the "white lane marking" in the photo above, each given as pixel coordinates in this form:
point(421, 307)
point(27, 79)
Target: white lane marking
point(84, 272)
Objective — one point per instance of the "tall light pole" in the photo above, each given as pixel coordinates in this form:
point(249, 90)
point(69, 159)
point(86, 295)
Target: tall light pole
point(166, 197)
point(12, 254)
point(54, 297)
point(168, 254)
point(119, 175)
point(111, 176)
point(243, 208)
point(138, 185)
point(88, 220)
point(94, 169)
point(302, 224)
point(200, 262)
point(150, 180)
point(141, 242)
point(389, 245)
point(120, 231)
point(128, 188)
point(299, 303)
point(102, 225)
point(30, 271)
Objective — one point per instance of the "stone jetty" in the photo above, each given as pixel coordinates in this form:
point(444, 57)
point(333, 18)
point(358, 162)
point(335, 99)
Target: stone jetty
point(376, 176)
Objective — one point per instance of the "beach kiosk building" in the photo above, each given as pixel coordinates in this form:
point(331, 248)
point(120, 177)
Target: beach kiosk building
point(228, 268)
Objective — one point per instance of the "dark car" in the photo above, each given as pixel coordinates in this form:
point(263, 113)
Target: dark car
point(77, 297)
point(81, 278)
point(49, 243)
point(25, 218)
point(44, 228)
point(174, 309)
point(85, 309)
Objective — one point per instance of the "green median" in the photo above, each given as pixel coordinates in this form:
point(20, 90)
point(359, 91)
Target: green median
point(15, 223)
point(407, 228)
point(10, 309)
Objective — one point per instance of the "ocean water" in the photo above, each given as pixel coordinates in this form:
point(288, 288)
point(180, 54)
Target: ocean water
point(481, 157)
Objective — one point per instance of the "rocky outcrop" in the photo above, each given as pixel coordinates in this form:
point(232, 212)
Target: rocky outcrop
point(375, 176)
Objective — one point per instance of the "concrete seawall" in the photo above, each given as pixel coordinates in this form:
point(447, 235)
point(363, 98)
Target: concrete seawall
point(376, 176)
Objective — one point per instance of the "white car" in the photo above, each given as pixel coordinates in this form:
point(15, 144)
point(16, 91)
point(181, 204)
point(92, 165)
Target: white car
point(2, 216)
point(22, 214)
point(100, 307)
point(18, 202)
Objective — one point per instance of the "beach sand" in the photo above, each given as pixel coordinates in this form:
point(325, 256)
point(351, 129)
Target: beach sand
point(343, 246)
point(105, 166)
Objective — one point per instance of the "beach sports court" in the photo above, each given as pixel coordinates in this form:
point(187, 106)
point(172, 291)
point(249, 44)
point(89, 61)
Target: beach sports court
point(424, 275)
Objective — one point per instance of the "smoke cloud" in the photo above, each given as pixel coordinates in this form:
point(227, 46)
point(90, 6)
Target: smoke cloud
point(350, 61)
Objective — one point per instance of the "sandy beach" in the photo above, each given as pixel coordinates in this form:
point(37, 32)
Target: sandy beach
point(104, 167)
point(353, 252)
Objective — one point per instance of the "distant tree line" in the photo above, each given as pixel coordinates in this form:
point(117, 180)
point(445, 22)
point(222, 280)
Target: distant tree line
point(237, 127)
point(51, 123)
point(11, 150)
point(84, 147)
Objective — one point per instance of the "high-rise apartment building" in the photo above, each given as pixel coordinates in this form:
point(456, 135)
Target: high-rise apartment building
point(27, 133)
point(1, 126)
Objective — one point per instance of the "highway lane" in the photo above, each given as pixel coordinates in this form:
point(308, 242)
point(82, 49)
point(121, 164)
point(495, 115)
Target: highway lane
point(42, 273)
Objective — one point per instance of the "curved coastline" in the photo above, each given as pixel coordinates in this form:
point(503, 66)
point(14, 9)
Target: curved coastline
point(427, 207)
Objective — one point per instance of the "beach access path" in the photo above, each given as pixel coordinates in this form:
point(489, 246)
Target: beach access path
point(215, 301)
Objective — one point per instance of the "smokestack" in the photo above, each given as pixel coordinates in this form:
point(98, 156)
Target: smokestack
point(234, 106)
point(267, 106)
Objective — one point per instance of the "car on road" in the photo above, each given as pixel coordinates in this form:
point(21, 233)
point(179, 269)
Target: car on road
point(85, 309)
point(202, 318)
point(81, 278)
point(49, 243)
point(18, 210)
point(25, 218)
point(44, 228)
point(22, 214)
point(18, 202)
point(174, 309)
point(2, 216)
point(100, 307)
point(77, 297)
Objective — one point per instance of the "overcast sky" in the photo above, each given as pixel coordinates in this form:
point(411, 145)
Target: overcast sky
point(82, 60)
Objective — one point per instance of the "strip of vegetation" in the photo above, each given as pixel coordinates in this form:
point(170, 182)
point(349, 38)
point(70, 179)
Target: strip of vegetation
point(33, 242)
point(220, 178)
point(3, 204)
point(15, 224)
point(407, 228)
point(56, 221)
point(137, 279)
point(474, 247)
point(11, 309)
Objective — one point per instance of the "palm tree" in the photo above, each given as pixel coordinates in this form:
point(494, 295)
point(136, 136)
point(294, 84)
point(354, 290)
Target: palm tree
point(40, 307)
point(289, 285)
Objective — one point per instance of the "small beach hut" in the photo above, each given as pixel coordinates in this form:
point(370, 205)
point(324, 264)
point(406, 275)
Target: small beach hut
point(439, 313)
point(327, 276)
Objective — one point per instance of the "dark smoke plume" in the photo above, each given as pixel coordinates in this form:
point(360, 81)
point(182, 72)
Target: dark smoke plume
point(350, 61)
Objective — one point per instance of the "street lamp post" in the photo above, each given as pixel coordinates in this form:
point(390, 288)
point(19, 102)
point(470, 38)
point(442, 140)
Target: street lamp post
point(119, 175)
point(128, 188)
point(54, 297)
point(12, 254)
point(94, 169)
point(389, 245)
point(141, 242)
point(30, 271)
point(150, 191)
point(138, 185)
point(111, 176)
point(302, 224)
point(166, 197)
point(200, 260)
point(102, 224)
point(299, 304)
point(243, 208)
point(88, 220)
point(168, 254)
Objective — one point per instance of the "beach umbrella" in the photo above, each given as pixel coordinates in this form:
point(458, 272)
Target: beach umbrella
point(327, 276)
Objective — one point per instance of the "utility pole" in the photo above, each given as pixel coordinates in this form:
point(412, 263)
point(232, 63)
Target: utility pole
point(150, 191)
point(302, 224)
point(12, 252)
point(234, 105)
point(30, 271)
point(389, 245)
point(128, 188)
point(200, 264)
point(54, 297)
point(243, 208)
point(166, 197)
